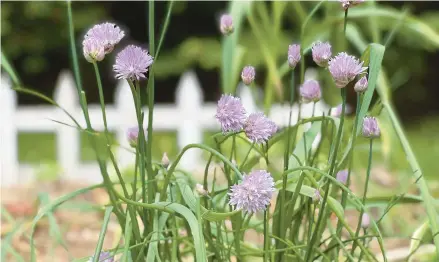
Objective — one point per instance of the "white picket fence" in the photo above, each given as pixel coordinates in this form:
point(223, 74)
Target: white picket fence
point(189, 117)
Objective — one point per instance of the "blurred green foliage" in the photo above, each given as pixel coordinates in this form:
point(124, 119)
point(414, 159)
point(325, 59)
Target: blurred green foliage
point(34, 38)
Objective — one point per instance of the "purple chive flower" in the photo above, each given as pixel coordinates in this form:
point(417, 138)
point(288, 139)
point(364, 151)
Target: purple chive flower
point(370, 127)
point(226, 24)
point(342, 176)
point(316, 197)
point(93, 50)
point(344, 68)
point(361, 85)
point(346, 4)
point(133, 134)
point(248, 75)
point(336, 111)
point(321, 53)
point(310, 91)
point(230, 113)
point(293, 55)
point(259, 128)
point(104, 256)
point(365, 221)
point(132, 63)
point(254, 193)
point(108, 34)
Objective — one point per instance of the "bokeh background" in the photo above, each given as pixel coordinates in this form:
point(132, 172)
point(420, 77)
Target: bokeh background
point(35, 39)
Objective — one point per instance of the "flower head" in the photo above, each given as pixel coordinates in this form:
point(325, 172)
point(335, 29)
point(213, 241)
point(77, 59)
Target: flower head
point(226, 24)
point(365, 221)
point(230, 113)
point(321, 53)
point(346, 3)
point(165, 160)
point(259, 128)
point(317, 196)
point(344, 68)
point(293, 55)
point(361, 85)
point(310, 91)
point(254, 193)
point(104, 256)
point(93, 50)
point(248, 75)
point(107, 34)
point(370, 127)
point(133, 134)
point(132, 63)
point(342, 176)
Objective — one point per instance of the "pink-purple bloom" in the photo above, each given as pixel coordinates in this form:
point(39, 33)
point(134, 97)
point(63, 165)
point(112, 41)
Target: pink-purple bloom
point(93, 50)
point(342, 176)
point(104, 256)
point(344, 68)
point(133, 134)
point(293, 55)
point(370, 127)
point(230, 113)
point(310, 91)
point(248, 75)
point(361, 85)
point(226, 24)
point(259, 128)
point(132, 63)
point(107, 34)
point(254, 193)
point(346, 3)
point(321, 53)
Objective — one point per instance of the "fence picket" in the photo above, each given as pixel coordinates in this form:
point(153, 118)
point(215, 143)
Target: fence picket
point(189, 117)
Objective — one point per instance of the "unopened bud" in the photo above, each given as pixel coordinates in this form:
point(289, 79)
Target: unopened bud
point(361, 85)
point(200, 190)
point(365, 221)
point(248, 75)
point(165, 160)
point(316, 197)
point(342, 176)
point(226, 24)
point(293, 55)
point(371, 128)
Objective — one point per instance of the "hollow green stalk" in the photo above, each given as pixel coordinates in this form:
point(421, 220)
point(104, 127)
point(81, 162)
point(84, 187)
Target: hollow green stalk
point(266, 235)
point(323, 214)
point(247, 155)
point(135, 91)
point(84, 107)
point(177, 160)
point(351, 160)
point(151, 88)
point(360, 219)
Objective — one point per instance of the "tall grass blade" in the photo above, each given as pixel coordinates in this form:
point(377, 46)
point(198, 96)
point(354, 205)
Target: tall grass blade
point(10, 70)
point(101, 238)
